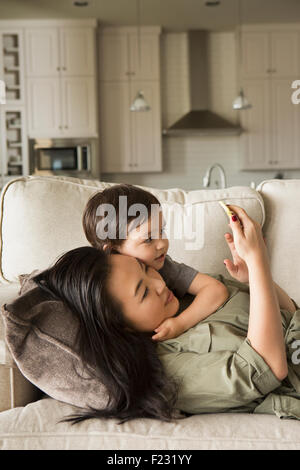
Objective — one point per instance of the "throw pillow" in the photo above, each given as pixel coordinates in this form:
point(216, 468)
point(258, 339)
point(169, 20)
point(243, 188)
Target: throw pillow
point(41, 335)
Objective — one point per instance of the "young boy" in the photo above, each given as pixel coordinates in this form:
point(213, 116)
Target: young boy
point(143, 238)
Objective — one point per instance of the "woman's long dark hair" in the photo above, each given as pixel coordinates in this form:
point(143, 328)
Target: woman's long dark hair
point(125, 361)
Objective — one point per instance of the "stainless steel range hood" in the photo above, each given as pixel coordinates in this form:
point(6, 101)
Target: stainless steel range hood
point(200, 120)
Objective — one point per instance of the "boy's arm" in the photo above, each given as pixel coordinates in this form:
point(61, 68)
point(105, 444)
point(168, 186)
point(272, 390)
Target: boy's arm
point(209, 294)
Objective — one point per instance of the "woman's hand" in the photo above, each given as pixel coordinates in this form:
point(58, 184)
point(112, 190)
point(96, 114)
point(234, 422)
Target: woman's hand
point(265, 331)
point(247, 235)
point(237, 268)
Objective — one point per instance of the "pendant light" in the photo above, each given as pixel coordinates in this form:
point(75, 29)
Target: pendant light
point(139, 102)
point(240, 102)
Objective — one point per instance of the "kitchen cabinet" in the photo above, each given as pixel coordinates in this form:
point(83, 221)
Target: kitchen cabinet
point(60, 51)
point(286, 125)
point(121, 57)
point(130, 141)
point(284, 54)
point(270, 63)
point(12, 64)
point(61, 78)
point(42, 54)
point(79, 106)
point(43, 94)
point(70, 104)
point(13, 143)
point(256, 123)
point(273, 53)
point(255, 55)
point(13, 132)
point(146, 130)
point(271, 127)
point(114, 132)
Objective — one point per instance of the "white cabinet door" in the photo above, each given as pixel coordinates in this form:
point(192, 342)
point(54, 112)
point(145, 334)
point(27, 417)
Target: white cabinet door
point(62, 107)
point(285, 54)
point(144, 56)
point(256, 123)
point(113, 57)
point(146, 129)
point(77, 51)
point(114, 135)
point(273, 53)
point(122, 56)
point(44, 114)
point(55, 51)
point(286, 125)
point(256, 61)
point(79, 107)
point(271, 137)
point(42, 52)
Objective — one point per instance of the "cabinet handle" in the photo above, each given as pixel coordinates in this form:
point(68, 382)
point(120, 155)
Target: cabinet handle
point(268, 70)
point(64, 68)
point(274, 70)
point(60, 127)
point(66, 127)
point(57, 68)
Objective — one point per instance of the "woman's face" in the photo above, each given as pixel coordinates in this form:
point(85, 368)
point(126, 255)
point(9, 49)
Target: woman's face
point(142, 292)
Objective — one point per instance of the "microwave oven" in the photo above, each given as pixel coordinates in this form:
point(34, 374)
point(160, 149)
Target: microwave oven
point(71, 157)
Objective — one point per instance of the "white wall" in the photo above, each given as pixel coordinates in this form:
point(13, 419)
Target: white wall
point(185, 159)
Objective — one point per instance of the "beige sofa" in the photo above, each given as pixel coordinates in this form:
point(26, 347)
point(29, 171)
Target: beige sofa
point(41, 218)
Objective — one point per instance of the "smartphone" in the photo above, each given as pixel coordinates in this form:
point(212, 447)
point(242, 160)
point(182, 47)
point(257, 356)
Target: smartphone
point(226, 209)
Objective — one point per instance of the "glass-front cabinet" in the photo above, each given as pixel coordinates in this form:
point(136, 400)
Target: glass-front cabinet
point(13, 136)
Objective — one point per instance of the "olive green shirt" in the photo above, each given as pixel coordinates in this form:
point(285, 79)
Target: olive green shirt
point(219, 371)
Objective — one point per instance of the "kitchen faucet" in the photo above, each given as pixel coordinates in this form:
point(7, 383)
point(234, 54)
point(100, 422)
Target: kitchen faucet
point(206, 179)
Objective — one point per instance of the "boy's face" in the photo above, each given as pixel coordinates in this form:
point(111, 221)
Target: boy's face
point(147, 242)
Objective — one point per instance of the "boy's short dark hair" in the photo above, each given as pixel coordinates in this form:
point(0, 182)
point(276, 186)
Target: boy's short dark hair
point(111, 195)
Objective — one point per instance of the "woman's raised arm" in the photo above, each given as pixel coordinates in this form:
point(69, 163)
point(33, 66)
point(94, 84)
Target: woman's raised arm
point(265, 331)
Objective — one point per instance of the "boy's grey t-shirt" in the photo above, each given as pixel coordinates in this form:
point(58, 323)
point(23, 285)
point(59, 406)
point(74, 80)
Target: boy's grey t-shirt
point(177, 276)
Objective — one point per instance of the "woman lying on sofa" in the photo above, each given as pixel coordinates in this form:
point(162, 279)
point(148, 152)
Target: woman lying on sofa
point(235, 360)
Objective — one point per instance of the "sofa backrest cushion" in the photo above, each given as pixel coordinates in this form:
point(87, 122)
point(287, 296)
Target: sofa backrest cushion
point(281, 230)
point(41, 334)
point(41, 218)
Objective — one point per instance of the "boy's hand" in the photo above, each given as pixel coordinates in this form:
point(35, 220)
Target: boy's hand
point(168, 329)
point(238, 268)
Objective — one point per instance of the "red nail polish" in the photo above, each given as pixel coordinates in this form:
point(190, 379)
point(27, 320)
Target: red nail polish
point(234, 218)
